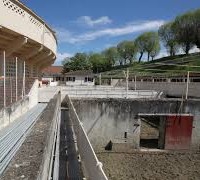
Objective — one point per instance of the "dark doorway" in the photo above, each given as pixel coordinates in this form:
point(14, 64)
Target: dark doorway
point(149, 132)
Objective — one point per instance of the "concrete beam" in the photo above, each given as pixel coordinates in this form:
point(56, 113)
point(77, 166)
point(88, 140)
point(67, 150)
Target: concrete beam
point(33, 52)
point(46, 63)
point(16, 45)
point(37, 60)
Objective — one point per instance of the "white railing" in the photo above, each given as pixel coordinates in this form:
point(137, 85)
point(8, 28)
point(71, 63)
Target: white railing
point(17, 17)
point(117, 93)
point(92, 166)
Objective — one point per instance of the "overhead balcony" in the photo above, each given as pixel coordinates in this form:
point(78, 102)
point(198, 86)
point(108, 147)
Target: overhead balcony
point(25, 35)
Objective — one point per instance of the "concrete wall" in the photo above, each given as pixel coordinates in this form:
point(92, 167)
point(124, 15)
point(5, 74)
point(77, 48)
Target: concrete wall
point(12, 112)
point(111, 118)
point(177, 89)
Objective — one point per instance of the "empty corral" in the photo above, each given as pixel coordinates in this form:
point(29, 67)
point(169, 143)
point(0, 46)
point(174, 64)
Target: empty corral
point(120, 121)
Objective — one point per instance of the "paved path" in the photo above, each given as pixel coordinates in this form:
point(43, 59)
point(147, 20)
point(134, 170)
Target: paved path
point(69, 165)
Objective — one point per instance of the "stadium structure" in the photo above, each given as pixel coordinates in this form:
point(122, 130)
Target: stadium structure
point(27, 45)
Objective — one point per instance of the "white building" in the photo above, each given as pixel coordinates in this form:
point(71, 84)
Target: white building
point(79, 78)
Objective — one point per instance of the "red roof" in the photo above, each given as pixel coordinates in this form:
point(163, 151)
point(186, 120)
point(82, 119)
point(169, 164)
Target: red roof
point(53, 70)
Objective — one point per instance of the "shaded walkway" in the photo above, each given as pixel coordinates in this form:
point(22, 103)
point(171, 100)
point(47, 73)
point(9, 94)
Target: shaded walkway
point(69, 167)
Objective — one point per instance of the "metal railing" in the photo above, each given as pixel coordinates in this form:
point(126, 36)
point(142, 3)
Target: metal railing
point(92, 93)
point(91, 165)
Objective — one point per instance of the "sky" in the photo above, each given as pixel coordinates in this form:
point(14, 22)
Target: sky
point(94, 25)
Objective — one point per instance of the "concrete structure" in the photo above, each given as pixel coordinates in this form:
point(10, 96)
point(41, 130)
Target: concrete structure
point(26, 36)
point(17, 109)
point(106, 120)
point(46, 93)
point(27, 45)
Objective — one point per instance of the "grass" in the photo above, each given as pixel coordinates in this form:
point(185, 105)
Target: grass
point(167, 66)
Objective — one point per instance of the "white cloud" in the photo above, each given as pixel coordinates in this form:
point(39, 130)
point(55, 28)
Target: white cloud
point(68, 37)
point(87, 20)
point(163, 53)
point(61, 57)
point(194, 50)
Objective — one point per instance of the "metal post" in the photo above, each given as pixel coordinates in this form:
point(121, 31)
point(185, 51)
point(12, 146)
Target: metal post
point(23, 87)
point(16, 79)
point(127, 77)
point(11, 89)
point(100, 79)
point(4, 78)
point(126, 74)
point(24, 78)
point(187, 86)
point(135, 83)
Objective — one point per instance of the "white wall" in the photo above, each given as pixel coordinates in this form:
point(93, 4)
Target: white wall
point(79, 80)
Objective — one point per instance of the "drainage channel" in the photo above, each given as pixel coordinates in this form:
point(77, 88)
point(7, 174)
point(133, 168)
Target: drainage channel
point(69, 165)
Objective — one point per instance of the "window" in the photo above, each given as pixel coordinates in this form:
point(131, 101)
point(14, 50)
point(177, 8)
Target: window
point(88, 79)
point(71, 79)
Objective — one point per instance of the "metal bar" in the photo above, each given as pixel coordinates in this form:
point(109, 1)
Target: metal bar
point(11, 89)
point(16, 84)
point(4, 78)
point(14, 135)
point(24, 78)
point(187, 86)
point(135, 83)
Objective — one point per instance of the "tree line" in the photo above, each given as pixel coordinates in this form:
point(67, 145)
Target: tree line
point(181, 33)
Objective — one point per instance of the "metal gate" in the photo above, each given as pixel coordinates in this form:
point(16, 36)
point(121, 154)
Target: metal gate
point(178, 131)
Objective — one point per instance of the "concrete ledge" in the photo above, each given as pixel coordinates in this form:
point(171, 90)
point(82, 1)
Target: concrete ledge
point(31, 157)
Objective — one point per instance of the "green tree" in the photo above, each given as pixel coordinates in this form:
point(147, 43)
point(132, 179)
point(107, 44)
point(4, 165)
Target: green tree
point(184, 31)
point(155, 51)
point(111, 54)
point(127, 51)
point(98, 62)
point(152, 43)
point(77, 62)
point(168, 38)
point(196, 24)
point(140, 42)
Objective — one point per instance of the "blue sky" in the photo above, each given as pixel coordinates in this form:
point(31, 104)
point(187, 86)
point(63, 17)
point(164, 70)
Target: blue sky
point(93, 25)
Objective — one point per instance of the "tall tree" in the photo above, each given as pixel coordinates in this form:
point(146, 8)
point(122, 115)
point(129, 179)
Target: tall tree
point(168, 38)
point(152, 42)
point(196, 24)
point(127, 50)
point(111, 54)
point(184, 31)
point(98, 62)
point(140, 42)
point(155, 51)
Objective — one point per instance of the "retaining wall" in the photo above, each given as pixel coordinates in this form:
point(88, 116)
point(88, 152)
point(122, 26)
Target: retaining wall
point(109, 119)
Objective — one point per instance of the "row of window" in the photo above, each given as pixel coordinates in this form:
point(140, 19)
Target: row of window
point(73, 79)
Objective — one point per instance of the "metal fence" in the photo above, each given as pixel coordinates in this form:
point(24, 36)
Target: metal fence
point(118, 93)
point(91, 165)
